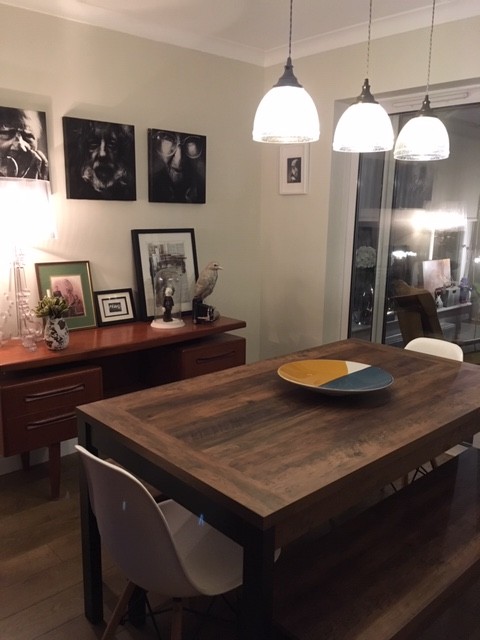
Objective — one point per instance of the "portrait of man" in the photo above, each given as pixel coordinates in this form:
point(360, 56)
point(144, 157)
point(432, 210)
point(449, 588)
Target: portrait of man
point(99, 160)
point(176, 167)
point(23, 144)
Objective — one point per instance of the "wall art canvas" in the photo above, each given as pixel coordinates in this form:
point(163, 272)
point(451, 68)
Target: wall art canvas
point(99, 160)
point(176, 167)
point(23, 144)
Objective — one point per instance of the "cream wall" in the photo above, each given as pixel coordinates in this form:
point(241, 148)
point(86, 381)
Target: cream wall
point(69, 69)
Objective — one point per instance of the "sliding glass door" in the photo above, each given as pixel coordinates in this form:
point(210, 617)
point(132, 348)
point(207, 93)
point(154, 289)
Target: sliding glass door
point(416, 228)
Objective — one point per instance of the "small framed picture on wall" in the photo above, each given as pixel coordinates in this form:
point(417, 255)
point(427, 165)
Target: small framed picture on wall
point(293, 169)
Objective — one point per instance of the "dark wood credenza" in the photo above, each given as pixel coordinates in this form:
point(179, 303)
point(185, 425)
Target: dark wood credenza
point(39, 390)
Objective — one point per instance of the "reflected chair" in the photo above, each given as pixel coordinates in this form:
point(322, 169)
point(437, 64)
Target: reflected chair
point(417, 315)
point(162, 548)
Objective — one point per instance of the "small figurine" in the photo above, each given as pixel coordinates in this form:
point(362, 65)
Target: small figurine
point(168, 305)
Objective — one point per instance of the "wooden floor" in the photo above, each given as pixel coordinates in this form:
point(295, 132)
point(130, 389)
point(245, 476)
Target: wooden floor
point(41, 581)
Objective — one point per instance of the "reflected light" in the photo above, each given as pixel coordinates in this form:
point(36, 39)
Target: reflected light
point(402, 255)
point(439, 220)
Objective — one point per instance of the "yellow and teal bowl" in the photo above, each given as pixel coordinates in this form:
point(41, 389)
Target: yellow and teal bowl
point(336, 377)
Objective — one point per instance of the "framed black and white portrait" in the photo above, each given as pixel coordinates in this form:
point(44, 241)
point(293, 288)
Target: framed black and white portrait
point(99, 160)
point(23, 144)
point(293, 169)
point(176, 167)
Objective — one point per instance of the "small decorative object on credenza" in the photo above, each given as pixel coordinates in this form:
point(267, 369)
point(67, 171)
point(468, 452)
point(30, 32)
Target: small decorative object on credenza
point(54, 308)
point(204, 286)
point(168, 300)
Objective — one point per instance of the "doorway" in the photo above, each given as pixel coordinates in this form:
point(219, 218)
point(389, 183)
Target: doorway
point(416, 227)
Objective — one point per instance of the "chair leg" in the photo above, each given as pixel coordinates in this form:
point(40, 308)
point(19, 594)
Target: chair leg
point(176, 624)
point(434, 463)
point(119, 610)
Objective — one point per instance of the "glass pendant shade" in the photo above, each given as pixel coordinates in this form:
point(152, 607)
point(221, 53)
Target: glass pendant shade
point(423, 138)
point(287, 113)
point(365, 127)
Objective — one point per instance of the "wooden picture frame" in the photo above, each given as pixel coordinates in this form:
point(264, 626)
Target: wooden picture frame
point(114, 307)
point(293, 168)
point(155, 248)
point(71, 280)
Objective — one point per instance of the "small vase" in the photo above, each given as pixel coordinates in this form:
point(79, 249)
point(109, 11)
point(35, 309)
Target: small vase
point(56, 334)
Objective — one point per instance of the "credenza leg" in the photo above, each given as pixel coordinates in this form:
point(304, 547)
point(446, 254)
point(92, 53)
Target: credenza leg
point(25, 457)
point(54, 469)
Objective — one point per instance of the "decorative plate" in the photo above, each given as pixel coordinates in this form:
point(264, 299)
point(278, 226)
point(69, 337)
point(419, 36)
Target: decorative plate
point(335, 377)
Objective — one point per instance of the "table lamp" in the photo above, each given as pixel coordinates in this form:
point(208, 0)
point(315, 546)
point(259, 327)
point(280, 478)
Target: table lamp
point(26, 219)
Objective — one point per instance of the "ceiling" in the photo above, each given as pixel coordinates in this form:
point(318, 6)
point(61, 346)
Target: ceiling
point(255, 31)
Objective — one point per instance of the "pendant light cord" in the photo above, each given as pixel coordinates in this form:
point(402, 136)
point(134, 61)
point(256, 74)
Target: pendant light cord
point(290, 32)
point(430, 48)
point(369, 36)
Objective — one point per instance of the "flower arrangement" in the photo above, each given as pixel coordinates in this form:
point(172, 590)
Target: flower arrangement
point(51, 307)
point(365, 257)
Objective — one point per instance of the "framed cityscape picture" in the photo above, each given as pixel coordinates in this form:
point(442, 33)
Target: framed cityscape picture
point(155, 250)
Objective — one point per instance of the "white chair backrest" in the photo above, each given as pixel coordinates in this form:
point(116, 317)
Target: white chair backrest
point(133, 529)
point(436, 347)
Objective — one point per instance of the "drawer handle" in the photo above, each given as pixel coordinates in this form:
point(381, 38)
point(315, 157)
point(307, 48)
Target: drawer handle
point(220, 356)
point(53, 393)
point(38, 424)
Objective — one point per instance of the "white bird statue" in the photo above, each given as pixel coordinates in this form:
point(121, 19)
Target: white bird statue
point(206, 281)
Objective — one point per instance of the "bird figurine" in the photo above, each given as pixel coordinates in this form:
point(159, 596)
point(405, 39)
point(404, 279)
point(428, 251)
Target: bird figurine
point(206, 281)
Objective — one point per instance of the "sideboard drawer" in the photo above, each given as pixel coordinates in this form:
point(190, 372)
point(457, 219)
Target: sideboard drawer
point(217, 353)
point(39, 411)
point(195, 358)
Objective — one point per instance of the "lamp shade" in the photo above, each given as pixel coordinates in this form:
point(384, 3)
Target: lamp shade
point(423, 137)
point(365, 127)
point(286, 115)
point(27, 212)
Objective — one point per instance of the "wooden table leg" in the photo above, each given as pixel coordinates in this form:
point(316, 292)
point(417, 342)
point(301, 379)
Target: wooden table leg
point(91, 547)
point(257, 602)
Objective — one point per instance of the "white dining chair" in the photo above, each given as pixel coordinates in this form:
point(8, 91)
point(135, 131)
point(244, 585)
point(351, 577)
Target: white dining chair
point(434, 347)
point(161, 548)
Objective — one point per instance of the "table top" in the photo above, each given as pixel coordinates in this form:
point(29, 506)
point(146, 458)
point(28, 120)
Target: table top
point(268, 450)
point(86, 344)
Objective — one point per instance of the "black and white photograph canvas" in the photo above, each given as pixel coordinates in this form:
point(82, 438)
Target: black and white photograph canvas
point(23, 144)
point(99, 160)
point(176, 167)
point(293, 169)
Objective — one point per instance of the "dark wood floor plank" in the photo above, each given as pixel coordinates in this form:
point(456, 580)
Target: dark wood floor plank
point(41, 579)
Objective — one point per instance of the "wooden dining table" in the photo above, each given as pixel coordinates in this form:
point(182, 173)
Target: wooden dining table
point(267, 461)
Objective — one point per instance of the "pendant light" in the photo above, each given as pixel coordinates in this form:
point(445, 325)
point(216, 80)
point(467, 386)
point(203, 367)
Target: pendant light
point(365, 126)
point(287, 113)
point(423, 137)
